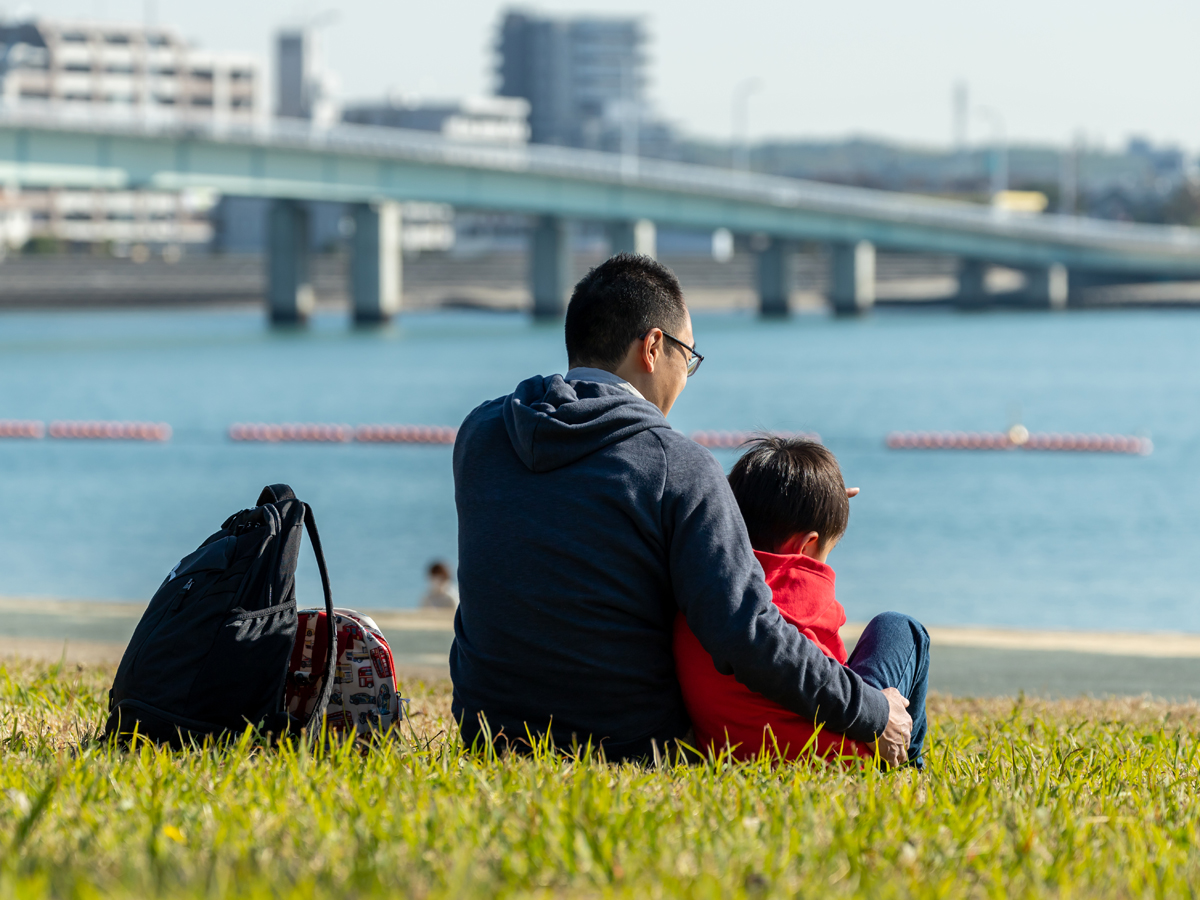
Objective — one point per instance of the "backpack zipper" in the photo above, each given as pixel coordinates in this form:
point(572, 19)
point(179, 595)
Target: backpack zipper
point(182, 593)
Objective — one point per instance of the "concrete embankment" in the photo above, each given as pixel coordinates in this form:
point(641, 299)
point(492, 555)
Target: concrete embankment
point(966, 661)
point(498, 281)
point(495, 281)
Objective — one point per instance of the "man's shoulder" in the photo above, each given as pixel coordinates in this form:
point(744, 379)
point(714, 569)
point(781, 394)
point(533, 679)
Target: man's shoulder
point(681, 443)
point(676, 450)
point(490, 411)
point(682, 452)
point(481, 429)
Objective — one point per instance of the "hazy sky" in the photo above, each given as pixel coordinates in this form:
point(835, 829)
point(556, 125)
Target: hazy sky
point(1052, 69)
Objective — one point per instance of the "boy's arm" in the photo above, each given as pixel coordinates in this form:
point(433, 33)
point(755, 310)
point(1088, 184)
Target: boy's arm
point(718, 584)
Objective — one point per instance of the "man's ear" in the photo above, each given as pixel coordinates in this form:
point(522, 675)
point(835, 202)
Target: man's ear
point(651, 349)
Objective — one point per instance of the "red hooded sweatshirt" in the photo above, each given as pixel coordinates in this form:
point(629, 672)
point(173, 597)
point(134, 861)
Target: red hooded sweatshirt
point(722, 708)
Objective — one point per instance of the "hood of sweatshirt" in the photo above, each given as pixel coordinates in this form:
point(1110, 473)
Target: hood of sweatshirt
point(552, 423)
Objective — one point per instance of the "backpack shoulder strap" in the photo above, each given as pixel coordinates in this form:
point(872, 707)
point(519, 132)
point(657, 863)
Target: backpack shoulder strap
point(275, 493)
point(331, 627)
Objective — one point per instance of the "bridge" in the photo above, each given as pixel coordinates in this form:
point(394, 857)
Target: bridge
point(373, 169)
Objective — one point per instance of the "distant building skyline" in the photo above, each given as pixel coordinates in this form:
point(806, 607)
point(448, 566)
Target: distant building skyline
point(872, 69)
point(576, 80)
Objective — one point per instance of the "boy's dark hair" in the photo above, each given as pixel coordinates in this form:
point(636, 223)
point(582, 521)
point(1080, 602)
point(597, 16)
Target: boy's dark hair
point(616, 303)
point(786, 486)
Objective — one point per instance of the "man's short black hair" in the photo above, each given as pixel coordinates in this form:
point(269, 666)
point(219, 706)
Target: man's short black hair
point(787, 486)
point(616, 303)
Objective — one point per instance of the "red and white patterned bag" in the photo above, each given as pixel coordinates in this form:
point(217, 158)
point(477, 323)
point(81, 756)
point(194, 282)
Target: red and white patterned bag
point(365, 698)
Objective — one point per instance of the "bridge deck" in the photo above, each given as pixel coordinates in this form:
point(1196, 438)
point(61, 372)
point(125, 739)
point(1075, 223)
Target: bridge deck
point(289, 159)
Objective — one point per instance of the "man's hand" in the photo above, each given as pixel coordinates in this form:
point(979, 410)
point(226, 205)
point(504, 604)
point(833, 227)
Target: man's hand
point(893, 743)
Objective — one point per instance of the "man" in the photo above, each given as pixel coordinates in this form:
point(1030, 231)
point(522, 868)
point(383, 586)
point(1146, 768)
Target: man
point(585, 523)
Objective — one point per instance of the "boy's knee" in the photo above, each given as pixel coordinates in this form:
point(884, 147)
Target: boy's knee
point(898, 623)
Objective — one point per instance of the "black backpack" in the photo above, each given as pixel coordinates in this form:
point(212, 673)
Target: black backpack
point(211, 651)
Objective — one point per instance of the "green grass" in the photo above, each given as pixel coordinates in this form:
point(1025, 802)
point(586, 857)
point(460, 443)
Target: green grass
point(1021, 798)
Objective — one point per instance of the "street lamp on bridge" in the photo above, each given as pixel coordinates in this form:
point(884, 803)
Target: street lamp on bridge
point(741, 123)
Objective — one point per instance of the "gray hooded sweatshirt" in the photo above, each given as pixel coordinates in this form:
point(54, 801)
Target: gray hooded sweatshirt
point(585, 523)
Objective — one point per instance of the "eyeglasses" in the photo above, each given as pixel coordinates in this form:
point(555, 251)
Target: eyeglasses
point(693, 363)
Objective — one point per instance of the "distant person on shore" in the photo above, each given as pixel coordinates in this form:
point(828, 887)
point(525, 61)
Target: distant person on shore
point(442, 593)
point(795, 505)
point(585, 523)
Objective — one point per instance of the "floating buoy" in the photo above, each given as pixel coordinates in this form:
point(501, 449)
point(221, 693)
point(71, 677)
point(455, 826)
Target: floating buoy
point(111, 431)
point(308, 432)
point(405, 434)
point(1019, 438)
point(731, 440)
point(14, 428)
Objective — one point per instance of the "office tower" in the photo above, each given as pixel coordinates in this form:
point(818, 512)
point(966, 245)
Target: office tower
point(584, 77)
point(303, 88)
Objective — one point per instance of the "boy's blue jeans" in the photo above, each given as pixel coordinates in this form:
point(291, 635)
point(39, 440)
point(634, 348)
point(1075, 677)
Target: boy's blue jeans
point(893, 651)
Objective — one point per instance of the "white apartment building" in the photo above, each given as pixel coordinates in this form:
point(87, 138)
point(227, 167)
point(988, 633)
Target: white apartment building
point(497, 121)
point(502, 121)
point(143, 70)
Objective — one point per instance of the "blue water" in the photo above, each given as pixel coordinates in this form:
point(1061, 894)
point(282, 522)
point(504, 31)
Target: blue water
point(1020, 539)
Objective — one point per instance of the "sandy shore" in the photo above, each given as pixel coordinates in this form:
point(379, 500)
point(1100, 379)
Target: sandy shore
point(97, 631)
point(1158, 645)
point(973, 661)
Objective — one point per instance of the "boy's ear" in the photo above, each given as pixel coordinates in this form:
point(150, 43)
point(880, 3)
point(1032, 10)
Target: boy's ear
point(801, 544)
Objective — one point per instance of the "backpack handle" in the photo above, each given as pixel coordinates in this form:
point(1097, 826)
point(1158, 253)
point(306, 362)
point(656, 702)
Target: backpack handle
point(276, 493)
point(331, 629)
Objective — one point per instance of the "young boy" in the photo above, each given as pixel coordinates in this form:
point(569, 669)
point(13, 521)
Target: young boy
point(794, 503)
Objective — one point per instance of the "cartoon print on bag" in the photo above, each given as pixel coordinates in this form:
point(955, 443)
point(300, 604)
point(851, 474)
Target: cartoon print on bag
point(379, 657)
point(360, 646)
point(385, 701)
point(369, 719)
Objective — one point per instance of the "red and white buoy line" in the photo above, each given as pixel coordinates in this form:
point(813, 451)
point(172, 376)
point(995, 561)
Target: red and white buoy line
point(1016, 438)
point(405, 434)
point(15, 428)
point(1019, 438)
point(97, 431)
point(731, 440)
point(431, 434)
point(343, 434)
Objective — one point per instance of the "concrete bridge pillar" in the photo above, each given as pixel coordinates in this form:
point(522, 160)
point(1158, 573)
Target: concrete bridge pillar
point(972, 284)
point(375, 265)
point(638, 237)
point(549, 266)
point(775, 277)
point(290, 297)
point(852, 277)
point(1048, 286)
